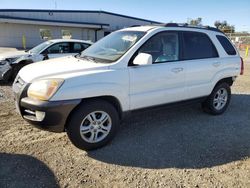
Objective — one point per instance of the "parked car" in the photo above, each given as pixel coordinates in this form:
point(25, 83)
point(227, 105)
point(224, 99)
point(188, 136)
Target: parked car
point(12, 62)
point(128, 70)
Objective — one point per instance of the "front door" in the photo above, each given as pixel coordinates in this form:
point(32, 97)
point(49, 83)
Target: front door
point(164, 80)
point(58, 50)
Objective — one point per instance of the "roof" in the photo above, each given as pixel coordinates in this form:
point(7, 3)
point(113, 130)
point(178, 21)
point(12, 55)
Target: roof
point(77, 11)
point(173, 26)
point(70, 40)
point(12, 19)
point(185, 25)
point(140, 28)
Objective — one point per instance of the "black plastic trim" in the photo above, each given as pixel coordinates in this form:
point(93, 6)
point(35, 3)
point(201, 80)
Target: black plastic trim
point(126, 114)
point(56, 112)
point(185, 25)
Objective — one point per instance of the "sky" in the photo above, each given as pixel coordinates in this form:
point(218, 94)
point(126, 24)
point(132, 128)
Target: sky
point(236, 13)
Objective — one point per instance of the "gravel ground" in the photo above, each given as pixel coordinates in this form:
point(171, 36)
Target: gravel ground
point(176, 147)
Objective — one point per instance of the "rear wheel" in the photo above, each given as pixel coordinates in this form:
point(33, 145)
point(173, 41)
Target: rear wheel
point(93, 124)
point(218, 100)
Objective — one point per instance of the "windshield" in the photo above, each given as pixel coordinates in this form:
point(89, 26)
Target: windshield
point(113, 46)
point(40, 47)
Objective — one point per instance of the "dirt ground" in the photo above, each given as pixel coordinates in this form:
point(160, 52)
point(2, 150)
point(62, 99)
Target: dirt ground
point(177, 147)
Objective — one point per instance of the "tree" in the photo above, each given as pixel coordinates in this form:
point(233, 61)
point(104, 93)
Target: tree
point(196, 22)
point(224, 26)
point(217, 24)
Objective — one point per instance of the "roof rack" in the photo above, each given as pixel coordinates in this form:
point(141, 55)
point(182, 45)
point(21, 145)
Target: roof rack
point(185, 25)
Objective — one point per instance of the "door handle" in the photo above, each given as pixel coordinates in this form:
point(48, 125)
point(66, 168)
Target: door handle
point(216, 64)
point(177, 70)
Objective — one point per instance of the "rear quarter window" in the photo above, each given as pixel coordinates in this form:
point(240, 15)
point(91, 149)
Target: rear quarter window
point(226, 44)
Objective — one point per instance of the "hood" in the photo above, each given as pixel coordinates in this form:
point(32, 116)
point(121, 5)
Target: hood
point(60, 67)
point(12, 54)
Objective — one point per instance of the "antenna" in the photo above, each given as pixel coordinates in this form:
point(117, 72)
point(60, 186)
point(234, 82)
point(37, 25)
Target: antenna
point(55, 4)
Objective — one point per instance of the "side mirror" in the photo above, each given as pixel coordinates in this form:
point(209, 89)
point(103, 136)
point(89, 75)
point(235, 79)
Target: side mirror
point(143, 59)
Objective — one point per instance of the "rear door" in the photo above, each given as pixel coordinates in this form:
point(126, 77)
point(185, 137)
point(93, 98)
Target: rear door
point(203, 62)
point(164, 80)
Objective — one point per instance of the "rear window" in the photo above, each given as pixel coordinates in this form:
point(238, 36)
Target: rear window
point(228, 47)
point(198, 46)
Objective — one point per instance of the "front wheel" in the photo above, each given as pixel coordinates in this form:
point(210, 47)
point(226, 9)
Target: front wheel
point(218, 101)
point(93, 124)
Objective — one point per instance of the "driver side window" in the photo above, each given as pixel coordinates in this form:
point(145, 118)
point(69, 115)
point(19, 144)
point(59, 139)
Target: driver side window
point(59, 48)
point(164, 47)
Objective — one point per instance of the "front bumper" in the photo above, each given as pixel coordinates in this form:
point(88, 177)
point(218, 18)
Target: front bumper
point(55, 113)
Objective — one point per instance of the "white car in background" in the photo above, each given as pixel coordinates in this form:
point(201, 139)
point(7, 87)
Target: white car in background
point(12, 62)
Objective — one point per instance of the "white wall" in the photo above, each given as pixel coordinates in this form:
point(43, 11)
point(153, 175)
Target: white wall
point(11, 34)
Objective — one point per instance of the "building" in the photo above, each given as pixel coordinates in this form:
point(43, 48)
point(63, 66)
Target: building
point(19, 27)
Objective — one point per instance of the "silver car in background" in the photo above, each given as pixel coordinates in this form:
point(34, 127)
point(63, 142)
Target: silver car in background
point(12, 62)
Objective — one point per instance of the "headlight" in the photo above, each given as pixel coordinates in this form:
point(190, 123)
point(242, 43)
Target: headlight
point(44, 89)
point(3, 62)
point(13, 59)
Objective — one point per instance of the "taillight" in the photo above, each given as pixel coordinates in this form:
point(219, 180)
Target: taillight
point(241, 67)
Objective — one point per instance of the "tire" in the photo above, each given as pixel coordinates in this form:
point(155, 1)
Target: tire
point(218, 101)
point(15, 70)
point(85, 128)
point(6, 77)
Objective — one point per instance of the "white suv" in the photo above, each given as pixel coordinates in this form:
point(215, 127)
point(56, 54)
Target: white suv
point(130, 69)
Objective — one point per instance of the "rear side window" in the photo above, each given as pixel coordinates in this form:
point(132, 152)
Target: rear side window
point(76, 47)
point(198, 46)
point(228, 47)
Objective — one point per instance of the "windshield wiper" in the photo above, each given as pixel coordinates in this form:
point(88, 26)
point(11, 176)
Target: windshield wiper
point(88, 58)
point(94, 59)
point(78, 55)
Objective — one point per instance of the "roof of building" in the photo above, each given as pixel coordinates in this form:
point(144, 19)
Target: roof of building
point(13, 19)
point(78, 11)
